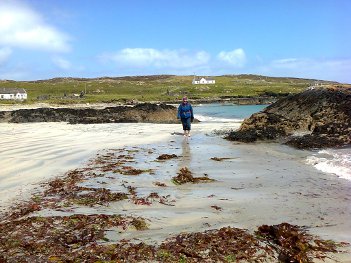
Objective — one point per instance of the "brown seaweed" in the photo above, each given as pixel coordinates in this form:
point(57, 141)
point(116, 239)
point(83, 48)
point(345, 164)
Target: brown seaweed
point(294, 244)
point(27, 237)
point(185, 176)
point(166, 156)
point(74, 239)
point(160, 184)
point(219, 159)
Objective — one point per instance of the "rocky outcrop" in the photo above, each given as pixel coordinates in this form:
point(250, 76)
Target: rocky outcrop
point(316, 118)
point(146, 112)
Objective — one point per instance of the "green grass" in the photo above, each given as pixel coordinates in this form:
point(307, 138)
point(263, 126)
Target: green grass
point(154, 88)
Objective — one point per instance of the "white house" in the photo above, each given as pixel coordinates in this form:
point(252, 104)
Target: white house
point(13, 94)
point(203, 80)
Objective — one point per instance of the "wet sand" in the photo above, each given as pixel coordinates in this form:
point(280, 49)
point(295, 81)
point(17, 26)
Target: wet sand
point(258, 184)
point(262, 183)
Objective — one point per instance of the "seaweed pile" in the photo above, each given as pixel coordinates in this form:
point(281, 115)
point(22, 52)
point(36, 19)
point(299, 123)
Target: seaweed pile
point(293, 244)
point(166, 156)
point(80, 238)
point(185, 176)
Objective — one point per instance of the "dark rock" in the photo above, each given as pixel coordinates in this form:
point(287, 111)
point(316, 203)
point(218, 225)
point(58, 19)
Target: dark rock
point(147, 112)
point(2, 115)
point(321, 115)
point(314, 141)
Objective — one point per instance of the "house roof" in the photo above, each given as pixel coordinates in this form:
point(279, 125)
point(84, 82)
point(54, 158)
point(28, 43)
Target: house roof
point(12, 90)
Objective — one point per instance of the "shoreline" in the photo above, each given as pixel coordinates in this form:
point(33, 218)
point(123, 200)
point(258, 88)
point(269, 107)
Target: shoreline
point(261, 183)
point(101, 105)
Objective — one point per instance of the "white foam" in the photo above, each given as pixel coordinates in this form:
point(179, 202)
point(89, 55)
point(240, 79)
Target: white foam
point(203, 118)
point(335, 161)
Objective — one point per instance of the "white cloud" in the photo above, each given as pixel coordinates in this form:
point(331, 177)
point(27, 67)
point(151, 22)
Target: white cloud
point(23, 27)
point(235, 57)
point(61, 63)
point(5, 53)
point(326, 69)
point(142, 57)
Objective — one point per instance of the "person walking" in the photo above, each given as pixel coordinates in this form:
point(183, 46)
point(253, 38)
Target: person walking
point(186, 115)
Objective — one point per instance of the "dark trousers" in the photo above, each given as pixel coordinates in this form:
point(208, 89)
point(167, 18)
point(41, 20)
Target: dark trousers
point(186, 124)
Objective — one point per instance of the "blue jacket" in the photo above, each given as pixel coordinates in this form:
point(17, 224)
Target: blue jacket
point(185, 111)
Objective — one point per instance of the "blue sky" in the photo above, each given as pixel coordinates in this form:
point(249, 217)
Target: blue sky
point(80, 38)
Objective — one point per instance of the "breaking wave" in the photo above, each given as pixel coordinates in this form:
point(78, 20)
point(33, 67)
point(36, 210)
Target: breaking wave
point(335, 161)
point(203, 118)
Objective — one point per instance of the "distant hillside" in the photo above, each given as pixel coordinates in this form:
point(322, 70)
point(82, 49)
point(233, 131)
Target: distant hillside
point(157, 88)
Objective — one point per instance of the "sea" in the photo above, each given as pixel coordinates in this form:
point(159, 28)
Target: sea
point(332, 161)
point(225, 112)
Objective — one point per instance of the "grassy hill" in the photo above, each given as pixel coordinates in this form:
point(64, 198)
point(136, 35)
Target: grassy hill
point(155, 88)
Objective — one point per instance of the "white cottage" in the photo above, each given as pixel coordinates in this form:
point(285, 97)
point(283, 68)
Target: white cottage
point(203, 80)
point(13, 94)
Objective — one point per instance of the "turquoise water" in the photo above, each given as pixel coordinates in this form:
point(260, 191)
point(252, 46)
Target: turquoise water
point(220, 112)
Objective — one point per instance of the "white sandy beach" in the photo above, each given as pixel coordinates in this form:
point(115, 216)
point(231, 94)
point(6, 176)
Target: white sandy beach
point(34, 152)
point(262, 183)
